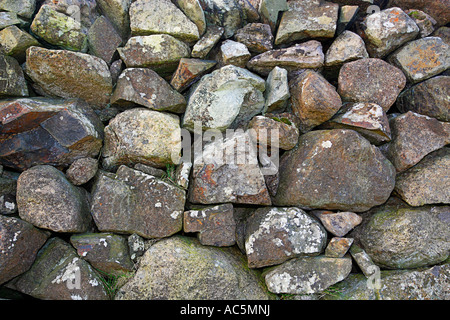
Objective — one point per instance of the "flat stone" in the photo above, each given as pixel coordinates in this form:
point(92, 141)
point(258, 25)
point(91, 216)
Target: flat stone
point(117, 11)
point(189, 71)
point(348, 46)
point(277, 90)
point(267, 126)
point(270, 11)
point(338, 247)
point(194, 11)
point(12, 79)
point(158, 173)
point(24, 8)
point(82, 170)
point(207, 41)
point(234, 53)
point(14, 42)
point(257, 37)
point(103, 39)
point(338, 223)
point(8, 19)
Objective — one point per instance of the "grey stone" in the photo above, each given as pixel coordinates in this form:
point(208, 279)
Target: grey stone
point(209, 39)
point(277, 90)
point(14, 42)
point(24, 8)
point(12, 79)
point(348, 46)
point(82, 170)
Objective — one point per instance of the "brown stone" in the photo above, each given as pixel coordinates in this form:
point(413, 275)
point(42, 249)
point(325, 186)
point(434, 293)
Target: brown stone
point(103, 39)
point(438, 9)
point(189, 71)
point(338, 247)
point(82, 170)
point(256, 36)
point(338, 223)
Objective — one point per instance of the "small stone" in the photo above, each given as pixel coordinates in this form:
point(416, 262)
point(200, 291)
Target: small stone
point(23, 8)
point(136, 247)
point(158, 173)
point(82, 170)
point(270, 11)
point(117, 11)
point(424, 21)
point(257, 37)
point(182, 174)
point(277, 90)
point(363, 260)
point(194, 11)
point(224, 13)
point(338, 223)
point(14, 42)
point(444, 34)
point(12, 79)
point(347, 47)
point(347, 16)
point(234, 53)
point(8, 19)
point(84, 11)
point(116, 69)
point(338, 247)
point(265, 127)
point(8, 204)
point(189, 71)
point(103, 39)
point(207, 41)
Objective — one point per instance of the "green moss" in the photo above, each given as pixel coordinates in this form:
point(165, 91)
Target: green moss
point(284, 120)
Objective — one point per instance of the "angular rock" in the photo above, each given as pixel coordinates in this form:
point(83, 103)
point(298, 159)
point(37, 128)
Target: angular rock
point(307, 19)
point(370, 80)
point(208, 273)
point(257, 37)
point(12, 80)
point(308, 275)
point(234, 53)
point(266, 127)
point(215, 225)
point(207, 41)
point(363, 260)
point(347, 17)
point(136, 246)
point(438, 9)
point(144, 87)
point(24, 8)
point(277, 90)
point(8, 204)
point(424, 21)
point(274, 235)
point(224, 13)
point(181, 175)
point(142, 136)
point(189, 71)
point(344, 181)
point(117, 11)
point(338, 247)
point(338, 223)
point(19, 244)
point(194, 11)
point(14, 42)
point(347, 47)
point(158, 173)
point(131, 201)
point(103, 39)
point(8, 19)
point(307, 55)
point(82, 170)
point(270, 11)
point(84, 11)
point(48, 200)
point(443, 33)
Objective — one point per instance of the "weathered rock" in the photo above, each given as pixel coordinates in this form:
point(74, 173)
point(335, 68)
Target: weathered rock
point(438, 9)
point(347, 47)
point(82, 170)
point(424, 21)
point(208, 273)
point(274, 235)
point(308, 275)
point(59, 274)
point(307, 55)
point(103, 39)
point(347, 17)
point(189, 71)
point(427, 182)
point(363, 260)
point(401, 237)
point(235, 53)
point(194, 11)
point(161, 17)
point(117, 12)
point(207, 41)
point(181, 175)
point(270, 11)
point(8, 204)
point(346, 179)
point(370, 80)
point(142, 136)
point(116, 69)
point(84, 11)
point(338, 247)
point(144, 87)
point(24, 8)
point(430, 98)
point(277, 90)
point(421, 59)
point(307, 19)
point(68, 74)
point(266, 127)
point(8, 19)
point(215, 225)
point(313, 99)
point(224, 13)
point(107, 252)
point(158, 173)
point(14, 42)
point(413, 137)
point(48, 200)
point(47, 131)
point(257, 37)
point(136, 246)
point(12, 80)
point(131, 201)
point(19, 244)
point(443, 33)
point(338, 223)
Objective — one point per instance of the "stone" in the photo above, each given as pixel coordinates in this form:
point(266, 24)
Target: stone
point(443, 33)
point(215, 226)
point(82, 170)
point(422, 59)
point(161, 17)
point(19, 244)
point(84, 11)
point(12, 79)
point(223, 97)
point(8, 205)
point(68, 74)
point(47, 131)
point(227, 14)
point(209, 39)
point(437, 9)
point(136, 246)
point(307, 19)
point(398, 236)
point(347, 17)
point(313, 99)
point(346, 179)
point(158, 173)
point(338, 223)
point(277, 90)
point(270, 11)
point(106, 252)
point(306, 55)
point(159, 52)
point(363, 260)
point(189, 71)
point(430, 98)
point(413, 137)
point(427, 182)
point(144, 87)
point(302, 275)
point(116, 69)
point(60, 274)
point(424, 21)
point(46, 199)
point(8, 19)
point(265, 127)
point(181, 175)
point(387, 30)
point(234, 53)
point(131, 201)
point(142, 136)
point(14, 42)
point(194, 11)
point(103, 39)
point(257, 37)
point(348, 46)
point(274, 235)
point(23, 8)
point(338, 247)
point(370, 80)
point(117, 11)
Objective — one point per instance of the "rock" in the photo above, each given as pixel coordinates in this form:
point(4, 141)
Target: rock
point(234, 53)
point(189, 71)
point(347, 17)
point(313, 99)
point(370, 80)
point(144, 87)
point(59, 274)
point(194, 11)
point(158, 173)
point(46, 199)
point(19, 243)
point(338, 247)
point(257, 37)
point(224, 13)
point(430, 98)
point(8, 204)
point(12, 80)
point(422, 59)
point(8, 19)
point(338, 223)
point(387, 30)
point(266, 127)
point(346, 179)
point(84, 11)
point(47, 131)
point(116, 69)
point(117, 11)
point(142, 136)
point(14, 42)
point(347, 47)
point(82, 170)
point(443, 33)
point(363, 260)
point(68, 74)
point(227, 95)
point(277, 90)
point(215, 225)
point(270, 11)
point(413, 137)
point(302, 275)
point(437, 9)
point(307, 55)
point(181, 175)
point(24, 8)
point(307, 19)
point(103, 39)
point(136, 246)
point(161, 17)
point(208, 273)
point(131, 201)
point(207, 41)
point(401, 237)
point(424, 21)
point(159, 52)
point(106, 252)
point(274, 235)
point(427, 182)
